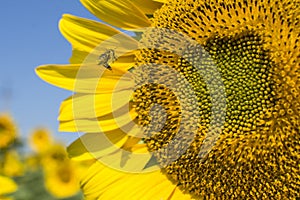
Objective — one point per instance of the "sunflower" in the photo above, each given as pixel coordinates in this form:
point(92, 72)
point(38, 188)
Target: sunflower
point(7, 186)
point(8, 132)
point(53, 156)
point(40, 140)
point(12, 165)
point(232, 97)
point(60, 173)
point(62, 180)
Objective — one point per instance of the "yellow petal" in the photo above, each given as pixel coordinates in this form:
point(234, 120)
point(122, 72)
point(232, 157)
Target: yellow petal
point(178, 194)
point(125, 61)
point(128, 161)
point(123, 14)
point(147, 6)
point(94, 145)
point(85, 78)
point(85, 34)
point(162, 1)
point(133, 141)
point(101, 182)
point(59, 75)
point(115, 149)
point(7, 185)
point(101, 124)
point(92, 105)
point(78, 56)
point(140, 148)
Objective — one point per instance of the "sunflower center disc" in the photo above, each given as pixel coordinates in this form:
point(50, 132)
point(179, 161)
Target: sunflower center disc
point(255, 154)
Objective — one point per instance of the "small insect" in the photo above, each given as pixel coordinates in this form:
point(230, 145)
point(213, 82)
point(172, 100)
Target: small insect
point(106, 58)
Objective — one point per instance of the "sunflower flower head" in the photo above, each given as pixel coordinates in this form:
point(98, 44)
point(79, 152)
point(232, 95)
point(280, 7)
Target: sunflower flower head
point(8, 132)
point(40, 140)
point(257, 57)
point(63, 180)
point(60, 173)
point(54, 155)
point(209, 94)
point(12, 165)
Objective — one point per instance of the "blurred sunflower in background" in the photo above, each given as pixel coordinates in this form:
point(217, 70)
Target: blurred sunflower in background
point(8, 132)
point(254, 47)
point(40, 140)
point(61, 175)
point(12, 165)
point(7, 186)
point(46, 174)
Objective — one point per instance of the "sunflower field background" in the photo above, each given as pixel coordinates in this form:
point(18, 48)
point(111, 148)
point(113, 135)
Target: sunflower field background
point(33, 160)
point(45, 172)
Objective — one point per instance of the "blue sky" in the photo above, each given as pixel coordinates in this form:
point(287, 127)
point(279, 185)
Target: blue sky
point(29, 38)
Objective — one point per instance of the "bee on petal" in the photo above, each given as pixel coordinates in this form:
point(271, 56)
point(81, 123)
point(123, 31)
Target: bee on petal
point(106, 58)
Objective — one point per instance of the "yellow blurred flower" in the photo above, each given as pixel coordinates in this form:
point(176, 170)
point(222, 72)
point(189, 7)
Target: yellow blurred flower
point(8, 132)
point(40, 140)
point(251, 48)
point(7, 186)
point(60, 173)
point(32, 163)
point(12, 165)
point(53, 156)
point(62, 180)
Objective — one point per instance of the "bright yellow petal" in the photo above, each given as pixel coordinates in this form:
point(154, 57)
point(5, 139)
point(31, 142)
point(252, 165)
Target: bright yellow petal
point(89, 106)
point(115, 148)
point(7, 185)
point(78, 56)
point(147, 6)
point(122, 14)
point(85, 79)
point(59, 75)
point(101, 182)
point(140, 148)
point(128, 161)
point(85, 35)
point(92, 105)
point(94, 145)
point(178, 194)
point(101, 124)
point(162, 1)
point(125, 61)
point(134, 142)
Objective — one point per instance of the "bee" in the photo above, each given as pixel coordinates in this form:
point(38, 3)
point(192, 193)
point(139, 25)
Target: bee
point(107, 57)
